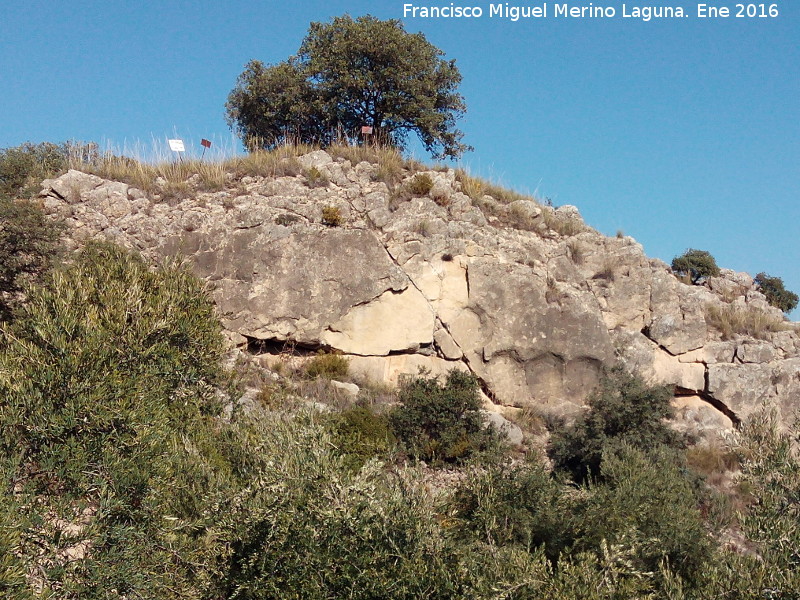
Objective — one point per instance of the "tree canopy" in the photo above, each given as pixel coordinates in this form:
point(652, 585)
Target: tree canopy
point(696, 264)
point(350, 73)
point(776, 293)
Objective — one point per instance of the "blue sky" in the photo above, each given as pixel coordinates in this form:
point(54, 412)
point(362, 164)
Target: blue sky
point(680, 132)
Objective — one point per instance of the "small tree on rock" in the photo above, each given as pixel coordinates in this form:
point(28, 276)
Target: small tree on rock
point(776, 294)
point(696, 265)
point(349, 73)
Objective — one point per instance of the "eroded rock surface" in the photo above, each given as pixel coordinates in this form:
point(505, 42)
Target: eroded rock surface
point(526, 297)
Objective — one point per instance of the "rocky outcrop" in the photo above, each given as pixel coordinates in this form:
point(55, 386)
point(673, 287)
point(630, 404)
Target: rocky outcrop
point(526, 297)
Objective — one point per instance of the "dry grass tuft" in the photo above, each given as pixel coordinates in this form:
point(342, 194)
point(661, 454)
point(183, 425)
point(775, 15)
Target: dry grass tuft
point(562, 225)
point(733, 320)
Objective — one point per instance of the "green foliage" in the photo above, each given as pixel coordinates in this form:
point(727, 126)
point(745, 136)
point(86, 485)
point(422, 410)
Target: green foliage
point(100, 362)
point(23, 167)
point(521, 506)
point(771, 467)
point(328, 366)
point(645, 501)
point(622, 409)
point(332, 216)
point(361, 434)
point(642, 516)
point(777, 295)
point(348, 73)
point(312, 528)
point(695, 264)
point(441, 422)
point(28, 244)
point(104, 376)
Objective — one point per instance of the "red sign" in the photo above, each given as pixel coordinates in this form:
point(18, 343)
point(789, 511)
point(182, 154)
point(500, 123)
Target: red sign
point(366, 129)
point(205, 143)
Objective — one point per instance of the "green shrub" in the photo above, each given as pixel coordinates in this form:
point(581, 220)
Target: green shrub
point(332, 216)
point(105, 380)
point(328, 366)
point(621, 409)
point(421, 184)
point(522, 506)
point(770, 465)
point(23, 167)
point(777, 295)
point(647, 503)
point(360, 434)
point(695, 265)
point(441, 422)
point(309, 526)
point(100, 360)
point(28, 244)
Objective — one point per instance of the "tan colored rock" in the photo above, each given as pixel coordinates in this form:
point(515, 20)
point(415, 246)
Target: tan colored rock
point(656, 366)
point(390, 369)
point(756, 352)
point(391, 322)
point(511, 432)
point(73, 186)
point(696, 416)
point(712, 352)
point(742, 388)
point(678, 332)
point(318, 158)
point(532, 313)
point(350, 390)
point(444, 341)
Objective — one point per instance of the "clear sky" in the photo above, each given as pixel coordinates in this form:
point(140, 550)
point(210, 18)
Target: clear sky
point(682, 132)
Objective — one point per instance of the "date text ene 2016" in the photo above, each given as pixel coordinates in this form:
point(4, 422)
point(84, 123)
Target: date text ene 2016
point(763, 11)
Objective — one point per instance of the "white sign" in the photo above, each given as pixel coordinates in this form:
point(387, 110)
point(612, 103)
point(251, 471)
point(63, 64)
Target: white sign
point(176, 145)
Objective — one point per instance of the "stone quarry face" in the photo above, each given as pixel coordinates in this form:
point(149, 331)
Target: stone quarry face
point(535, 308)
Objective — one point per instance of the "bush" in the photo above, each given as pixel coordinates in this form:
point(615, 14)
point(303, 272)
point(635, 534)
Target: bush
point(522, 506)
point(105, 395)
point(327, 366)
point(696, 265)
point(776, 294)
point(308, 526)
point(23, 167)
point(420, 185)
point(770, 464)
point(360, 434)
point(621, 409)
point(331, 216)
point(441, 422)
point(28, 244)
point(647, 504)
point(100, 360)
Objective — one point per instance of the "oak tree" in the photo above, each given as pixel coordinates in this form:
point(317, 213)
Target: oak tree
point(350, 73)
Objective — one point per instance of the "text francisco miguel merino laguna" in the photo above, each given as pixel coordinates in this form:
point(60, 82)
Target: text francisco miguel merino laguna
point(543, 11)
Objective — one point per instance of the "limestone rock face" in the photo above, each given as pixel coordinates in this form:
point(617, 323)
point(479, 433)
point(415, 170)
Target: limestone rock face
point(526, 297)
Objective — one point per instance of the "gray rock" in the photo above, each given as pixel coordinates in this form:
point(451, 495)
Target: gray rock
point(350, 390)
point(510, 431)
